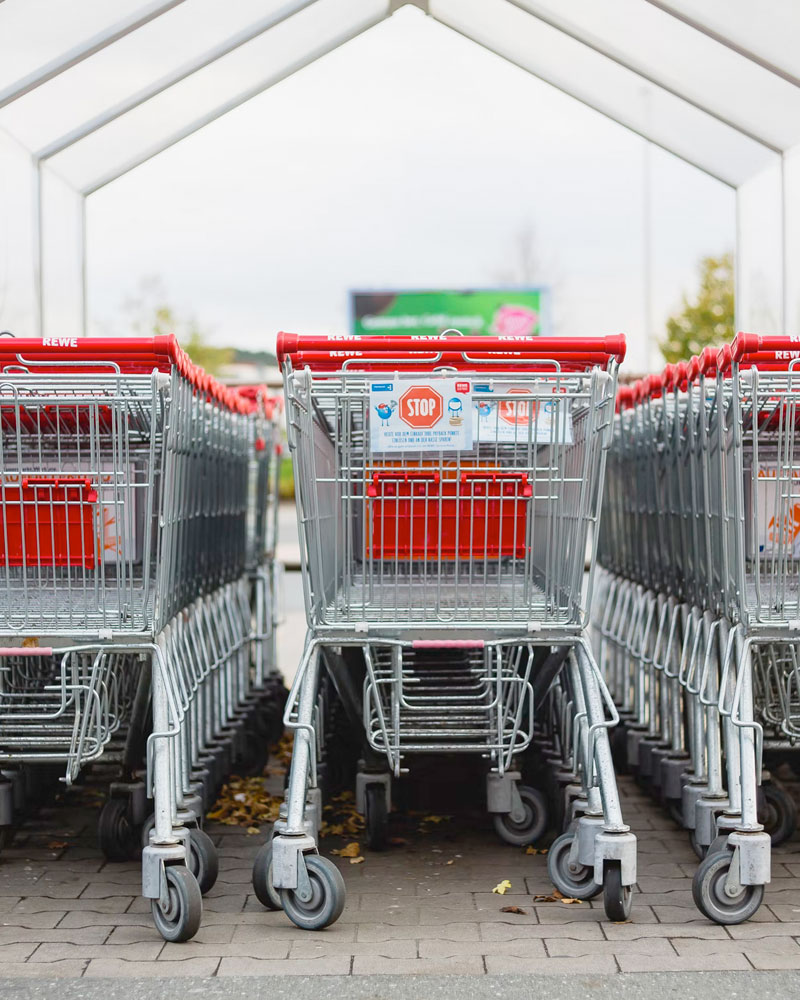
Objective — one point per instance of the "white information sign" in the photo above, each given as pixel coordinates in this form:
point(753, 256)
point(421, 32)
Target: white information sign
point(509, 417)
point(778, 512)
point(420, 414)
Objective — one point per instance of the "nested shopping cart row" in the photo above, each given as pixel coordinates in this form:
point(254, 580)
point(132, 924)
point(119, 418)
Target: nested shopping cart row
point(446, 491)
point(699, 610)
point(137, 529)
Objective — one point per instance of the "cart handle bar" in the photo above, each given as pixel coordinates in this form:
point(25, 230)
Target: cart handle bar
point(535, 348)
point(131, 355)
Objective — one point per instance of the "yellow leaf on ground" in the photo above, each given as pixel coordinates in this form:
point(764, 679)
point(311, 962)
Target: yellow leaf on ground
point(569, 899)
point(252, 830)
point(536, 850)
point(351, 851)
point(502, 888)
point(356, 861)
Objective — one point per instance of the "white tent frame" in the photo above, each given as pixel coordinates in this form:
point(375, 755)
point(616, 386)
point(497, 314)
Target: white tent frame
point(767, 195)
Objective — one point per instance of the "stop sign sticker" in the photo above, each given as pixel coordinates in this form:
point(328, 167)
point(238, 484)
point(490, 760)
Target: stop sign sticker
point(421, 406)
point(415, 414)
point(517, 411)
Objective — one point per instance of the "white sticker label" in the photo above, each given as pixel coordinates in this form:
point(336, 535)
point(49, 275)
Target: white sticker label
point(778, 512)
point(516, 415)
point(420, 415)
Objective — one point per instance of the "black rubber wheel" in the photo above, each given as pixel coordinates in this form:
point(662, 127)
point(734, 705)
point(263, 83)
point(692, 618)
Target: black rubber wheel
point(265, 892)
point(708, 890)
point(181, 920)
point(117, 838)
point(576, 882)
point(778, 813)
point(376, 816)
point(617, 898)
point(327, 896)
point(531, 827)
point(203, 859)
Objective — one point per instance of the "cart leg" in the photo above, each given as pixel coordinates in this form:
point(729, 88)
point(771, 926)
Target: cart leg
point(311, 888)
point(614, 844)
point(728, 887)
point(175, 897)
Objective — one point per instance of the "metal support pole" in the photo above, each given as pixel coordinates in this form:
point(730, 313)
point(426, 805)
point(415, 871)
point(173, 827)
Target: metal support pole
point(85, 49)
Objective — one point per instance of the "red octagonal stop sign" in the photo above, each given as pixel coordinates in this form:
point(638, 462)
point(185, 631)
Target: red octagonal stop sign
point(517, 411)
point(421, 406)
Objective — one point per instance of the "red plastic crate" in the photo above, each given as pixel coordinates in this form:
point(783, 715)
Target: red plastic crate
point(48, 521)
point(415, 514)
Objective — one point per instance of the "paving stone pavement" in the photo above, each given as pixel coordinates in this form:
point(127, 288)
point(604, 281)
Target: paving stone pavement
point(423, 907)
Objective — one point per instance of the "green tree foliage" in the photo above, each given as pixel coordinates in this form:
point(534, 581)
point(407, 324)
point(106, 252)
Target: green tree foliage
point(708, 317)
point(150, 315)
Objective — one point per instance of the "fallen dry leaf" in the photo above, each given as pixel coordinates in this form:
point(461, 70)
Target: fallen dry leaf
point(502, 887)
point(450, 862)
point(570, 899)
point(356, 861)
point(350, 851)
point(251, 830)
point(398, 841)
point(536, 850)
point(545, 898)
point(513, 909)
point(245, 802)
point(56, 845)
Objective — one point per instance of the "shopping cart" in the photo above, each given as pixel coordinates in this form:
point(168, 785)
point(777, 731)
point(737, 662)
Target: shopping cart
point(446, 490)
point(699, 602)
point(126, 601)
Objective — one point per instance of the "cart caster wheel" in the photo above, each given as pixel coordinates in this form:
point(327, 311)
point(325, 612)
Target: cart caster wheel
point(327, 896)
point(617, 897)
point(116, 837)
point(376, 817)
point(576, 882)
point(533, 824)
point(708, 890)
point(265, 892)
point(779, 813)
point(203, 859)
point(699, 849)
point(181, 920)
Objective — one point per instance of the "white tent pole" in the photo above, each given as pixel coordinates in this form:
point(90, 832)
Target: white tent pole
point(88, 48)
point(585, 39)
point(583, 100)
point(729, 43)
point(229, 105)
point(208, 57)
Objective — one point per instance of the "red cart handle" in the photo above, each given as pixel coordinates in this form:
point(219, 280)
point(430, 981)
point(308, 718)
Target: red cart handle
point(528, 347)
point(404, 475)
point(495, 477)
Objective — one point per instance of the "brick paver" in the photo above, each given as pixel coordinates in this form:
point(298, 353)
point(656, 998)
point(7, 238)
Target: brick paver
point(423, 907)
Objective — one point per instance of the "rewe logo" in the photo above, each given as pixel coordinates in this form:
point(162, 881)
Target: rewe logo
point(60, 342)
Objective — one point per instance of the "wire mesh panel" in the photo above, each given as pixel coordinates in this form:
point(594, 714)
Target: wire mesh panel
point(493, 532)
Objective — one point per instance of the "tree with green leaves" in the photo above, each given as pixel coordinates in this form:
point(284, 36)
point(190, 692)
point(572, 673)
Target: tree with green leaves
point(150, 316)
point(708, 317)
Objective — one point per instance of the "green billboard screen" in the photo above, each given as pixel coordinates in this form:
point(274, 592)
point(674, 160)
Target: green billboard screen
point(502, 312)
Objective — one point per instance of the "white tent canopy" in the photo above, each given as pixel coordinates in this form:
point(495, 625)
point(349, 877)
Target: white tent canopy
point(89, 90)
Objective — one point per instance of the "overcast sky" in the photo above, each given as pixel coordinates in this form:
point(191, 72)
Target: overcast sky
point(408, 158)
